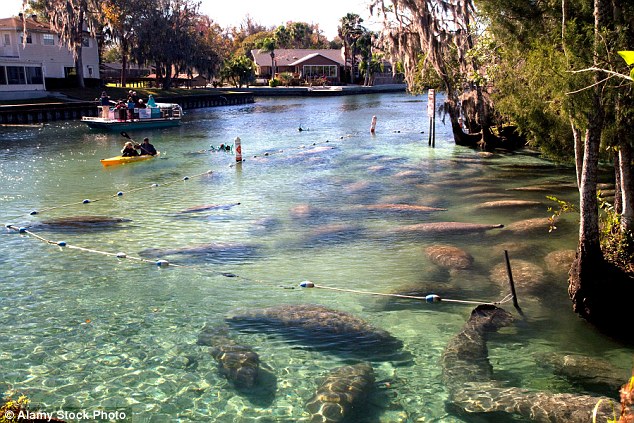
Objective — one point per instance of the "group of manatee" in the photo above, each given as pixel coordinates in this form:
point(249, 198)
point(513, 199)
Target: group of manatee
point(474, 392)
point(467, 372)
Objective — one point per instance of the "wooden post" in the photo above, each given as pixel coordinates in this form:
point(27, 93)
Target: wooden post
point(510, 274)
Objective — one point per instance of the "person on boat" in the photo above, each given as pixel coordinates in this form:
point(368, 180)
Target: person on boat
point(141, 104)
point(121, 110)
point(104, 103)
point(150, 101)
point(131, 105)
point(129, 150)
point(146, 148)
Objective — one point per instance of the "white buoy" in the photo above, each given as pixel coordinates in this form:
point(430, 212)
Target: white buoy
point(373, 125)
point(238, 148)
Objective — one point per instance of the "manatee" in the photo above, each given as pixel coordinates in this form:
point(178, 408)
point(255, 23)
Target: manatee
point(208, 207)
point(507, 204)
point(240, 364)
point(560, 261)
point(537, 224)
point(592, 374)
point(390, 207)
point(494, 402)
point(449, 257)
point(465, 359)
point(215, 252)
point(303, 211)
point(334, 233)
point(526, 275)
point(342, 393)
point(80, 223)
point(321, 328)
point(444, 228)
point(468, 374)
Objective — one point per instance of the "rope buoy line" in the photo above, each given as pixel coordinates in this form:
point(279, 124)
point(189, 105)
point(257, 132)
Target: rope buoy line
point(162, 263)
point(120, 193)
point(431, 298)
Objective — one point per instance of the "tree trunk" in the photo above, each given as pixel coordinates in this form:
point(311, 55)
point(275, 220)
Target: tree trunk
point(79, 68)
point(79, 61)
point(627, 188)
point(618, 201)
point(576, 135)
point(124, 62)
point(586, 275)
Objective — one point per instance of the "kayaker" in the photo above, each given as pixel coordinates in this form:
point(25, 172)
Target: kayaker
point(129, 150)
point(145, 148)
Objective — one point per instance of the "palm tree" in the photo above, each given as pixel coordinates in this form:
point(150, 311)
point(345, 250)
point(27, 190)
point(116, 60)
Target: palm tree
point(268, 45)
point(350, 31)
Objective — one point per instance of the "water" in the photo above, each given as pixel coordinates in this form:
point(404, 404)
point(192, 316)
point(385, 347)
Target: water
point(87, 331)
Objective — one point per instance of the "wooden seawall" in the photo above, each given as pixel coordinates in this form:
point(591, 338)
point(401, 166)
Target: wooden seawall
point(24, 114)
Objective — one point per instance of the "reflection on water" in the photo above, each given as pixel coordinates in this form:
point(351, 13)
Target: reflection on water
point(353, 212)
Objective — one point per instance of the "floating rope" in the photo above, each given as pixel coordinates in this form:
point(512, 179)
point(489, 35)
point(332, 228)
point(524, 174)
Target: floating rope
point(119, 193)
point(431, 298)
point(120, 255)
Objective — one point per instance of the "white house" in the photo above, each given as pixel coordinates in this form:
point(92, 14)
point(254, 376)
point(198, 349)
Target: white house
point(24, 67)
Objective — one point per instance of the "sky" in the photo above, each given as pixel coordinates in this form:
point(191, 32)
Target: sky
point(326, 13)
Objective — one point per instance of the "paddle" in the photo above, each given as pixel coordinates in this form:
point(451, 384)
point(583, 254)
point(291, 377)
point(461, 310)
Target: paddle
point(125, 135)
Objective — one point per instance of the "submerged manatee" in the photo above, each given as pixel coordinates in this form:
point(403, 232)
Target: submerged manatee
point(444, 228)
point(215, 252)
point(321, 328)
point(208, 207)
point(560, 261)
point(402, 208)
point(526, 275)
point(591, 373)
point(527, 226)
point(507, 204)
point(473, 391)
point(80, 223)
point(466, 356)
point(449, 257)
point(240, 364)
point(342, 393)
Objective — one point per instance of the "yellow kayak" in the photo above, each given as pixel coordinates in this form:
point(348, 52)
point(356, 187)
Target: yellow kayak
point(119, 160)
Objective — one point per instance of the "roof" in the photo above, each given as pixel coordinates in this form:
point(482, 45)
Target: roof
point(290, 57)
point(310, 56)
point(16, 23)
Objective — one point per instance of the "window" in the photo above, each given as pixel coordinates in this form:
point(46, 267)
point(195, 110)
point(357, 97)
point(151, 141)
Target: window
point(48, 39)
point(85, 41)
point(70, 71)
point(29, 40)
point(3, 76)
point(34, 75)
point(15, 75)
point(7, 39)
point(319, 70)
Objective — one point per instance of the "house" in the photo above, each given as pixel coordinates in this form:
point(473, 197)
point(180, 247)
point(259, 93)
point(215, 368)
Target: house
point(305, 64)
point(182, 80)
point(28, 68)
point(111, 72)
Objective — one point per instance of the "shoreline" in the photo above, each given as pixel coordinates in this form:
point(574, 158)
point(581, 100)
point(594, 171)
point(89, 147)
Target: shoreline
point(27, 114)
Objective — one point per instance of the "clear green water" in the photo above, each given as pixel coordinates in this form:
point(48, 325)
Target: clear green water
point(86, 331)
